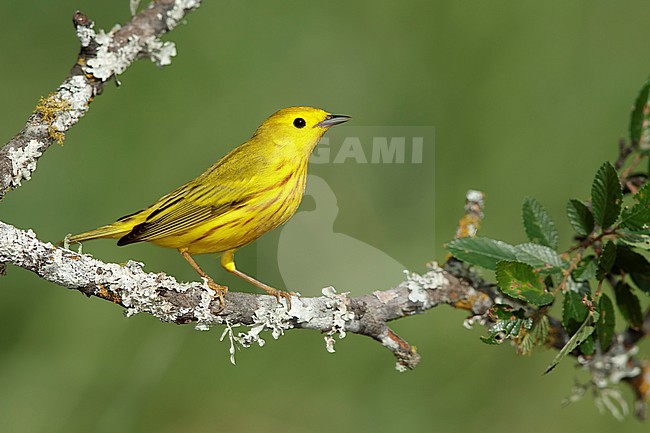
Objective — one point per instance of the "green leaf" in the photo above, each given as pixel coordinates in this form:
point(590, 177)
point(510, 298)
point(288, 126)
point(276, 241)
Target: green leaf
point(580, 217)
point(638, 132)
point(637, 217)
point(634, 264)
point(580, 287)
point(642, 281)
point(583, 332)
point(628, 304)
point(606, 322)
point(606, 260)
point(588, 347)
point(493, 339)
point(509, 323)
point(629, 261)
point(536, 336)
point(643, 195)
point(574, 312)
point(506, 312)
point(505, 329)
point(586, 269)
point(639, 239)
point(538, 256)
point(482, 252)
point(520, 281)
point(606, 196)
point(539, 226)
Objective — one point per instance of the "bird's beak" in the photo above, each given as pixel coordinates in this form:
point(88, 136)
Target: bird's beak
point(333, 119)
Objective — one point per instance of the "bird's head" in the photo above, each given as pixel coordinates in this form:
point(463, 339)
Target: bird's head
point(297, 129)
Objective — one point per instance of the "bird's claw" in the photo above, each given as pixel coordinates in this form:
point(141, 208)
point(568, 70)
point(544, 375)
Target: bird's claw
point(220, 293)
point(282, 294)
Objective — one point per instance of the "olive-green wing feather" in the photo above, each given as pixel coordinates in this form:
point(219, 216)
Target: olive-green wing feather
point(212, 194)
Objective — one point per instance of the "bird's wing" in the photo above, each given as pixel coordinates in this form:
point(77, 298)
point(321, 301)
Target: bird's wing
point(212, 194)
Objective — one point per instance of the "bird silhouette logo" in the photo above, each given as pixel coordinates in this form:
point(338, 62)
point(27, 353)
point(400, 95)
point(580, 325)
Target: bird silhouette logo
point(332, 259)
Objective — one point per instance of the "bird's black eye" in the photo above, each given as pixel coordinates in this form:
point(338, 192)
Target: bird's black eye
point(299, 122)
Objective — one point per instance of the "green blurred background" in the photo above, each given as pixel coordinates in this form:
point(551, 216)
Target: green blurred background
point(527, 98)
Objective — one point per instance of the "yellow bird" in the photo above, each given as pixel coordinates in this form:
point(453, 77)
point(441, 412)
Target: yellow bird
point(250, 191)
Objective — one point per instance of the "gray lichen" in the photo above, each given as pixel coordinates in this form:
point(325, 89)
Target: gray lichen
point(86, 34)
point(76, 94)
point(23, 161)
point(418, 285)
point(274, 318)
point(180, 9)
point(160, 52)
point(110, 61)
point(341, 315)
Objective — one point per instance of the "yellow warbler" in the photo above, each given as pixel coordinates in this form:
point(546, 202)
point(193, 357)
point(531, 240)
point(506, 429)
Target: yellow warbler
point(250, 191)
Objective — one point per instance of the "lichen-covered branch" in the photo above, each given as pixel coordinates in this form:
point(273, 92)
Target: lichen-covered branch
point(102, 56)
point(171, 301)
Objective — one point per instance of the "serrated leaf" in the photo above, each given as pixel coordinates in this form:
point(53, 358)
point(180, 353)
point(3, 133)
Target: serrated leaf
point(538, 256)
point(505, 312)
point(639, 239)
point(574, 312)
point(628, 304)
point(482, 252)
point(639, 118)
point(606, 196)
point(526, 344)
point(606, 322)
point(588, 347)
point(580, 287)
point(643, 195)
point(637, 217)
point(541, 330)
point(586, 269)
point(641, 281)
point(634, 264)
point(492, 339)
point(583, 332)
point(539, 226)
point(580, 217)
point(536, 336)
point(520, 281)
point(504, 329)
point(606, 260)
point(629, 261)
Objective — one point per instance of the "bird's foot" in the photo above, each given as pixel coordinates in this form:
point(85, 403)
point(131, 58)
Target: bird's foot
point(220, 294)
point(281, 294)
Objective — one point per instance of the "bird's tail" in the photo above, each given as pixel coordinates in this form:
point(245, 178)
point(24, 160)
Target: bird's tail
point(115, 230)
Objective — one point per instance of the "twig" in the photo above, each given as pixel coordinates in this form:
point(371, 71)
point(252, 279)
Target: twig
point(470, 222)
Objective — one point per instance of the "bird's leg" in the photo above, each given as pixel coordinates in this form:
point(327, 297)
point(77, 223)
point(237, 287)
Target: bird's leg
point(221, 290)
point(228, 263)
